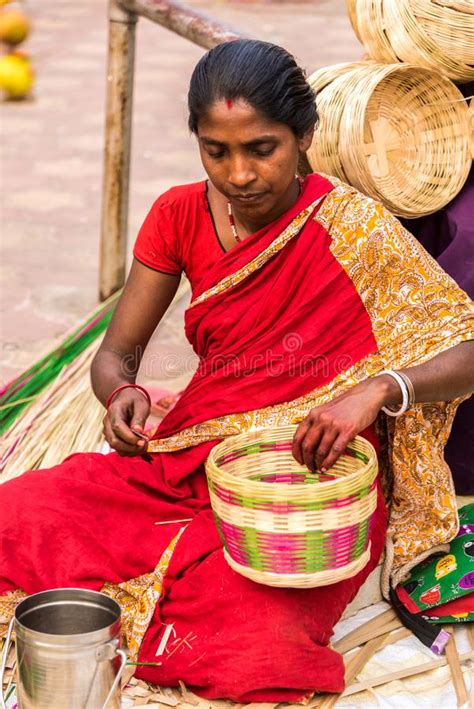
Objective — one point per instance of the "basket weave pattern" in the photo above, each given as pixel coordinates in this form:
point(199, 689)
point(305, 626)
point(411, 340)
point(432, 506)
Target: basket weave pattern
point(432, 33)
point(284, 526)
point(397, 132)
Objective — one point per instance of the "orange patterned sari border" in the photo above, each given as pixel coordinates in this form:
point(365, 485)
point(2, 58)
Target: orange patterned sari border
point(279, 414)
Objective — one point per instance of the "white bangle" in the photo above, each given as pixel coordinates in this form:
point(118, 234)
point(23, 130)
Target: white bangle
point(405, 394)
point(410, 387)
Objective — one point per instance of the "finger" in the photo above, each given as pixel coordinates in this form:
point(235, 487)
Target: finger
point(298, 440)
point(141, 410)
point(325, 446)
point(310, 444)
point(142, 442)
point(117, 444)
point(121, 429)
point(337, 449)
point(125, 449)
point(107, 429)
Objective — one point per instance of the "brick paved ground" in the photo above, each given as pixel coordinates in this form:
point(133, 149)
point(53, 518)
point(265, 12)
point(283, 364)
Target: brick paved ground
point(52, 150)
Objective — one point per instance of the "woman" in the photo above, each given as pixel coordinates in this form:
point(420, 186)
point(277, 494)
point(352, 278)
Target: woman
point(303, 294)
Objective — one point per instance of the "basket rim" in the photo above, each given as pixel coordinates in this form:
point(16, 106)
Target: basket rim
point(264, 487)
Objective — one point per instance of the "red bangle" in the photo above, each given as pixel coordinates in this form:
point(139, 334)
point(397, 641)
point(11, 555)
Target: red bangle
point(141, 389)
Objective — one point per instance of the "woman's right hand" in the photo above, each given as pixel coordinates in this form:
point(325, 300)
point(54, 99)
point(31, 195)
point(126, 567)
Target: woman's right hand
point(127, 412)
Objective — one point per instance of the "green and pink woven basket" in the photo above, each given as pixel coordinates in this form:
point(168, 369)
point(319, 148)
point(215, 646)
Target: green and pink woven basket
point(282, 525)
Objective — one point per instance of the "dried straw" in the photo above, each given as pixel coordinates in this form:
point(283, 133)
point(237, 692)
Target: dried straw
point(25, 388)
point(65, 419)
point(402, 674)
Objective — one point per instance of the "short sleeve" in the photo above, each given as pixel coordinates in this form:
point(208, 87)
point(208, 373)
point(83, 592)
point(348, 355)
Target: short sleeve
point(155, 245)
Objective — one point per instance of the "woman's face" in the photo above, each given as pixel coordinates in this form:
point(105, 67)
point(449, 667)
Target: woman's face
point(250, 159)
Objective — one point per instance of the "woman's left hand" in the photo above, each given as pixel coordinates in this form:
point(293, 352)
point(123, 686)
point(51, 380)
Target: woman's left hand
point(324, 434)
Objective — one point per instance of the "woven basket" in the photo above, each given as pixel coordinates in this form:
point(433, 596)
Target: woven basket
point(471, 126)
point(432, 33)
point(333, 85)
point(397, 132)
point(327, 74)
point(284, 526)
point(352, 12)
point(368, 17)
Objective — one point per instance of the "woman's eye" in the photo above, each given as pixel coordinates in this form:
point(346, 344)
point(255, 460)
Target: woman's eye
point(217, 155)
point(264, 153)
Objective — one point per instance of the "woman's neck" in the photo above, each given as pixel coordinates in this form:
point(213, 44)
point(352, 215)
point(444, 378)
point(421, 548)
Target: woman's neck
point(245, 225)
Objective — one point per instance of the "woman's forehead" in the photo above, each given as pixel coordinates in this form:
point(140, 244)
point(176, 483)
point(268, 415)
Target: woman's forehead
point(237, 121)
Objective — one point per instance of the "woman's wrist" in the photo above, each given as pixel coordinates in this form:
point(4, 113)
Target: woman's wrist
point(388, 390)
point(127, 386)
point(107, 374)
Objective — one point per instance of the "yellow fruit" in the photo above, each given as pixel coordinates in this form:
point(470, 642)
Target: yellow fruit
point(14, 26)
point(16, 76)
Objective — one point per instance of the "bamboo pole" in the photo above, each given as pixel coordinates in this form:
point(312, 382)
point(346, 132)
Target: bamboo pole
point(452, 657)
point(183, 20)
point(378, 625)
point(121, 52)
point(402, 674)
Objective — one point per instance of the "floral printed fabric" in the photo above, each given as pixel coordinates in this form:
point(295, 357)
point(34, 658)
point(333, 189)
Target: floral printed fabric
point(417, 311)
point(8, 603)
point(138, 598)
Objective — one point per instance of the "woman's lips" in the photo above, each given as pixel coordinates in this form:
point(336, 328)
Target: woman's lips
point(248, 199)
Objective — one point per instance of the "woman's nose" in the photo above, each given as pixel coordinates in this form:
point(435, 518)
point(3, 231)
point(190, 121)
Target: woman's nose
point(241, 172)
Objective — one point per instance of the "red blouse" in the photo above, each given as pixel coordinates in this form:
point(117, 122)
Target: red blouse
point(178, 234)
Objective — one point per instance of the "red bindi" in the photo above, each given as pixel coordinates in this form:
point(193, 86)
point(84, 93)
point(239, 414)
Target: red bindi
point(229, 103)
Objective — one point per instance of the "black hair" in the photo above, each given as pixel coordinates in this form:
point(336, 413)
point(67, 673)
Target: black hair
point(263, 74)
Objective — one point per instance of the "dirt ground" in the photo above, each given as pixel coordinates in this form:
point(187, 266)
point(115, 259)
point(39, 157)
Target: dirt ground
point(51, 149)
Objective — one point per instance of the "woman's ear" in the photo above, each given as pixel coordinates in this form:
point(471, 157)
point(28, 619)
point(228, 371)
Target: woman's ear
point(305, 141)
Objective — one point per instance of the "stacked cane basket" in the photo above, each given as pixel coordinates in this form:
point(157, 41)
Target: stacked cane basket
point(431, 33)
point(395, 126)
point(284, 526)
point(397, 132)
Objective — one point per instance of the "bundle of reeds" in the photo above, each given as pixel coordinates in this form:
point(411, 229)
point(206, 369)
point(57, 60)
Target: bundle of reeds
point(50, 411)
point(64, 419)
point(25, 389)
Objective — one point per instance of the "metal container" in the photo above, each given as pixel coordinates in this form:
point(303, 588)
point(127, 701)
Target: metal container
point(67, 650)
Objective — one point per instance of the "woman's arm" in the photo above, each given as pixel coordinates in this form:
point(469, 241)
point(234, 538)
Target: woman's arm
point(446, 376)
point(145, 299)
point(324, 434)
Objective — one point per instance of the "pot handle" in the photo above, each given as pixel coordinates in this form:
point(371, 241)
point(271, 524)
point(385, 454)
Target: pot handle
point(123, 662)
point(6, 648)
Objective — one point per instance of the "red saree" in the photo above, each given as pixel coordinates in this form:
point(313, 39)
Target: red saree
point(276, 318)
